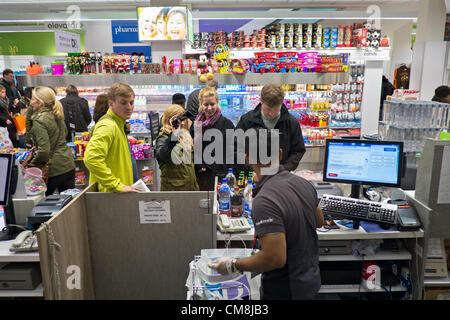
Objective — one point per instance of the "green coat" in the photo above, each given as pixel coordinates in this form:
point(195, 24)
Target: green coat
point(44, 135)
point(174, 177)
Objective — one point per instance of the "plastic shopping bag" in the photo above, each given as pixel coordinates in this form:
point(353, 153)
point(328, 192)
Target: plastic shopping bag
point(225, 287)
point(5, 142)
point(19, 122)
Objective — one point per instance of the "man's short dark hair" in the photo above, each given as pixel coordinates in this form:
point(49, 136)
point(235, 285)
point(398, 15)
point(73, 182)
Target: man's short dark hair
point(71, 89)
point(7, 71)
point(179, 98)
point(272, 95)
point(442, 91)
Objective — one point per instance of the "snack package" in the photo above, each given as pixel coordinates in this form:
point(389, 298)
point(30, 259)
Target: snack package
point(147, 175)
point(340, 38)
point(348, 32)
point(80, 177)
point(334, 37)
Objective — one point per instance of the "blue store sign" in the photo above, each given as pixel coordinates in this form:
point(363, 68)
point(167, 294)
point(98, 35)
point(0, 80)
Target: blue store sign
point(124, 31)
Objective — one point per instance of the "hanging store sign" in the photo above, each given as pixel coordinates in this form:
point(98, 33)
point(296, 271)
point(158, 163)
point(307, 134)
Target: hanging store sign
point(67, 42)
point(124, 31)
point(64, 25)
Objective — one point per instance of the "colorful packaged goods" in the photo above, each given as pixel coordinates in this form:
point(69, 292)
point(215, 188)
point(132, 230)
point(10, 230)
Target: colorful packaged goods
point(80, 177)
point(147, 175)
point(348, 32)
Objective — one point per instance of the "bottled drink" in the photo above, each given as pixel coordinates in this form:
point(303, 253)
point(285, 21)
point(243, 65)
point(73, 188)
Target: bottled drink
point(224, 198)
point(231, 179)
point(237, 207)
point(248, 199)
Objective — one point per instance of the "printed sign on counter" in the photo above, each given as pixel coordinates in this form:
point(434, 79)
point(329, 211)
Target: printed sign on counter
point(154, 212)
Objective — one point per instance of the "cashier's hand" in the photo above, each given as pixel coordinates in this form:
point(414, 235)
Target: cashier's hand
point(128, 189)
point(222, 265)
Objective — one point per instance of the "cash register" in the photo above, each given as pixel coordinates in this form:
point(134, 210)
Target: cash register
point(46, 208)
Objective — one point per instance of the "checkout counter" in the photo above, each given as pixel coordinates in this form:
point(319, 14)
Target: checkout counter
point(139, 246)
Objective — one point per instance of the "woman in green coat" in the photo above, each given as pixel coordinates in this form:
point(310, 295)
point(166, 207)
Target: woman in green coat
point(48, 135)
point(177, 165)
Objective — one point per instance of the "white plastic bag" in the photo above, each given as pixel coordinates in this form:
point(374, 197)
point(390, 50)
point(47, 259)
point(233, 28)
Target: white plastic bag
point(5, 142)
point(224, 287)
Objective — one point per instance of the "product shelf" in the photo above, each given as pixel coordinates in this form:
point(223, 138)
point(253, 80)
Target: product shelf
point(106, 80)
point(381, 53)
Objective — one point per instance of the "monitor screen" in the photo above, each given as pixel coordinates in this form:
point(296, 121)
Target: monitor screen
point(6, 164)
point(363, 162)
point(164, 23)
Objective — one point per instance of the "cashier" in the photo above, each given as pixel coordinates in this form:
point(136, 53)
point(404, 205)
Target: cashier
point(285, 215)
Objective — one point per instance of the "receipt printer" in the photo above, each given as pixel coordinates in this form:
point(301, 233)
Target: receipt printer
point(46, 208)
point(326, 188)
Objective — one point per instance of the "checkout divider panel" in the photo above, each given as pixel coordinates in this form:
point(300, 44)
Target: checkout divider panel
point(66, 270)
point(134, 260)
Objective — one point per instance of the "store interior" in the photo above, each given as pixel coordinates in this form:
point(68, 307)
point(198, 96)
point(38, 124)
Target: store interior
point(355, 74)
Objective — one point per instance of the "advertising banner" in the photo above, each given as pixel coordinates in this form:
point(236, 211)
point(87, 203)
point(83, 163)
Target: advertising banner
point(164, 23)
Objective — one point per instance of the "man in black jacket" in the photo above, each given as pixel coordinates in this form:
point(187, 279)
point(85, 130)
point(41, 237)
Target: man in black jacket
point(271, 113)
point(11, 92)
point(14, 105)
point(76, 112)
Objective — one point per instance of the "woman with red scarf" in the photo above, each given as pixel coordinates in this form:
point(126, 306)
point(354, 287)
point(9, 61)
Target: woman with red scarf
point(210, 117)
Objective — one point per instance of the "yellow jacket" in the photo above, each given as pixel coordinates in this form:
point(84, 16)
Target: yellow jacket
point(107, 155)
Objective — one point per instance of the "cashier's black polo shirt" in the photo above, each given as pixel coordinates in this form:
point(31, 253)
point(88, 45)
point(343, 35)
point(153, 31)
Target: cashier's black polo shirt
point(286, 203)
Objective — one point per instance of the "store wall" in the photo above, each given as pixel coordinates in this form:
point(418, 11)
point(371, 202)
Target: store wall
point(401, 49)
point(98, 36)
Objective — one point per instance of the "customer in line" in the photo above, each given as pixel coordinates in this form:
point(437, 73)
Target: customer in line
point(285, 213)
point(101, 107)
point(5, 116)
point(108, 156)
point(210, 117)
point(14, 104)
point(76, 112)
point(271, 113)
point(442, 94)
point(174, 152)
point(48, 135)
point(180, 99)
point(193, 103)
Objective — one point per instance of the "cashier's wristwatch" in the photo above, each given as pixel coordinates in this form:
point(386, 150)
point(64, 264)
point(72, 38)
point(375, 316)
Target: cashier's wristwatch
point(233, 266)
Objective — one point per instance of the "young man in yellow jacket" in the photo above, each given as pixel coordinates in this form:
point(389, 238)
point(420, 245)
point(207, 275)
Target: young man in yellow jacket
point(107, 155)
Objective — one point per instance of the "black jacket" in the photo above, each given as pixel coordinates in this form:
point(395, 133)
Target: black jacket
point(76, 114)
point(221, 124)
point(4, 116)
point(192, 104)
point(12, 95)
point(291, 138)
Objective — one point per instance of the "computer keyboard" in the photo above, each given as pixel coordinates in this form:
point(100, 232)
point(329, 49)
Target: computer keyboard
point(356, 209)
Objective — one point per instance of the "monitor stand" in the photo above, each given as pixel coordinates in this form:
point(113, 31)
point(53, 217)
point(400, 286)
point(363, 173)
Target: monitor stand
point(356, 191)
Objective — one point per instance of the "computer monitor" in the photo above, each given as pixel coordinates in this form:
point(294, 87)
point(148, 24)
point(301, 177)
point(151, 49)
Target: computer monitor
point(363, 162)
point(8, 182)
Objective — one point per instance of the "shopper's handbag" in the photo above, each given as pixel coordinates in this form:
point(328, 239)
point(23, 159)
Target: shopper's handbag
point(45, 168)
point(19, 122)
